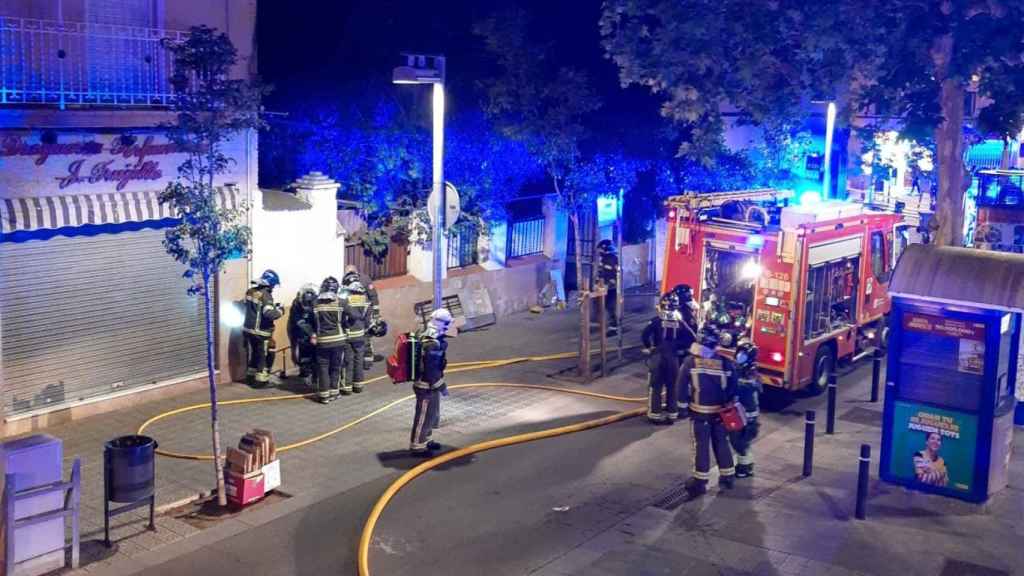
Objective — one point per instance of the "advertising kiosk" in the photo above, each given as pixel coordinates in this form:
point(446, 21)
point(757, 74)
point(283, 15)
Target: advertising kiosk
point(953, 351)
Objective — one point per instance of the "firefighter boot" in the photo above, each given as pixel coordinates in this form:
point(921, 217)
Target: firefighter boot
point(727, 482)
point(695, 488)
point(744, 470)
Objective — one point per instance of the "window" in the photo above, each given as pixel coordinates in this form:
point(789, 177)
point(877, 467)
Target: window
point(901, 243)
point(878, 268)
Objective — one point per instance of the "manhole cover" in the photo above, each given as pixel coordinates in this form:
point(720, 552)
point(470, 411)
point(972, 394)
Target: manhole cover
point(864, 416)
point(671, 498)
point(961, 568)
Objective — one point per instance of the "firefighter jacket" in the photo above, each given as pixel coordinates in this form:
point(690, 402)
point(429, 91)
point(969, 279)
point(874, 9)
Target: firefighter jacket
point(371, 294)
point(260, 312)
point(358, 317)
point(712, 383)
point(329, 320)
point(434, 357)
point(666, 334)
point(749, 392)
point(609, 269)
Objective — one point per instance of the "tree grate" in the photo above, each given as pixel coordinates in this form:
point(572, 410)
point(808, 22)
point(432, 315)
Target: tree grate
point(960, 568)
point(672, 497)
point(863, 416)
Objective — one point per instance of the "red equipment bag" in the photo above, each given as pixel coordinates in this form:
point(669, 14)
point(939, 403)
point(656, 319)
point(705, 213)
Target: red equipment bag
point(403, 364)
point(734, 418)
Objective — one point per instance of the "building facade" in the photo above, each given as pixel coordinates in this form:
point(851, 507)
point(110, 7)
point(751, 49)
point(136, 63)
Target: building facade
point(94, 314)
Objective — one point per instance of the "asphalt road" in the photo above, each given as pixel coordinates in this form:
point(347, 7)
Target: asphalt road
point(510, 511)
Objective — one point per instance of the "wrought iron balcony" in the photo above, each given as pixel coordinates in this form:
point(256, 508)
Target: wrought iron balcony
point(50, 63)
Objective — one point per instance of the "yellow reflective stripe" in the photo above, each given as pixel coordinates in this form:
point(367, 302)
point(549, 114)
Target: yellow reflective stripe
point(706, 409)
point(327, 308)
point(356, 332)
point(256, 332)
point(331, 338)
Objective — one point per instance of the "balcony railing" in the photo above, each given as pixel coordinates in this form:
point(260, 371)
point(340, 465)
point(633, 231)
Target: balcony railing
point(44, 62)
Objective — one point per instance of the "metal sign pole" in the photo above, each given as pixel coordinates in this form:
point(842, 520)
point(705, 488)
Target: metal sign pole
point(620, 288)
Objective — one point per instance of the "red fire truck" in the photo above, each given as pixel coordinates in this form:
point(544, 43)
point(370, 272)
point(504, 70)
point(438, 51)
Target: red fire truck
point(807, 283)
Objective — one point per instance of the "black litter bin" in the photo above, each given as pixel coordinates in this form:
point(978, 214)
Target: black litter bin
point(129, 475)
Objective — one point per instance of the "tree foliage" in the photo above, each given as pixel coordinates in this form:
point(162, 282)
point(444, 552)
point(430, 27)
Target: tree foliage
point(380, 151)
point(210, 109)
point(903, 60)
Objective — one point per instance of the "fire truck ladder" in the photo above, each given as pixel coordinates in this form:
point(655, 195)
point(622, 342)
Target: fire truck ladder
point(696, 201)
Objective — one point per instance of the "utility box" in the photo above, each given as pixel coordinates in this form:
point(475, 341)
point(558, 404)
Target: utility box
point(35, 461)
point(953, 351)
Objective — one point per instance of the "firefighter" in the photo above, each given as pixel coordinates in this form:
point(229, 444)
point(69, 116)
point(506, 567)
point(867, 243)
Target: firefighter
point(749, 392)
point(378, 328)
point(330, 339)
point(662, 338)
point(608, 274)
point(301, 329)
point(430, 383)
point(688, 309)
point(260, 314)
point(711, 388)
point(357, 321)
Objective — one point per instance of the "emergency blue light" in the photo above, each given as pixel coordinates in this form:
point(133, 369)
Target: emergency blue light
point(755, 241)
point(810, 197)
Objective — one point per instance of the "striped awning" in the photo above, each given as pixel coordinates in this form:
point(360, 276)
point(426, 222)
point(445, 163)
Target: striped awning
point(53, 212)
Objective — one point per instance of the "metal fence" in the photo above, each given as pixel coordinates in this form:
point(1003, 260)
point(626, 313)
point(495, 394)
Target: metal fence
point(60, 63)
point(395, 263)
point(462, 245)
point(525, 237)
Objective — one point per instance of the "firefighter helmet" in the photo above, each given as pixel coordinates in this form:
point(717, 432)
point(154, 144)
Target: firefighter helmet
point(669, 302)
point(746, 355)
point(605, 247)
point(684, 292)
point(269, 278)
point(355, 287)
point(709, 336)
point(350, 277)
point(440, 320)
point(329, 285)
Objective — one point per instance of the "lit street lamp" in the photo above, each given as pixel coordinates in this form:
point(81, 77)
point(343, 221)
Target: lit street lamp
point(429, 69)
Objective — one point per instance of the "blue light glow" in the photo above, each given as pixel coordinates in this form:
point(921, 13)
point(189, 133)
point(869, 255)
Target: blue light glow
point(755, 241)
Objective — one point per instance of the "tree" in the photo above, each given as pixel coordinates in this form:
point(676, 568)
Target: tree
point(380, 153)
point(210, 108)
point(907, 60)
point(542, 105)
point(926, 57)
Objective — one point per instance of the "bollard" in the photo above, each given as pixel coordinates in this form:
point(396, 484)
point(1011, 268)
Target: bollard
point(830, 422)
point(876, 373)
point(862, 481)
point(808, 443)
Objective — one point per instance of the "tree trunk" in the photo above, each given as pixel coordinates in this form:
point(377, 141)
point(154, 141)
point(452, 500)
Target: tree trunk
point(583, 365)
point(949, 145)
point(218, 464)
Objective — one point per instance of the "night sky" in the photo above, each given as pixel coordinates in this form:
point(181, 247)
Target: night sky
point(312, 54)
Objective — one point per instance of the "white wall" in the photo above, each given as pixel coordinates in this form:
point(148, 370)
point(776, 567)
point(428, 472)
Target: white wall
point(300, 245)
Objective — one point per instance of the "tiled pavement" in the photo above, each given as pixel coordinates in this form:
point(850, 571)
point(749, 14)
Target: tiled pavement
point(468, 415)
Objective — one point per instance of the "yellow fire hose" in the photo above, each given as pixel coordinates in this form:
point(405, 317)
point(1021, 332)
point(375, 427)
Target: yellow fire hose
point(363, 557)
point(371, 522)
point(454, 367)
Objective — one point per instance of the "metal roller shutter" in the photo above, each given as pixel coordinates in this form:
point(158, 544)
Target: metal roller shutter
point(88, 316)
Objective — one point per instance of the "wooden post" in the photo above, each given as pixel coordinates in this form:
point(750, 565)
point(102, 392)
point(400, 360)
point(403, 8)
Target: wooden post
point(602, 314)
point(584, 361)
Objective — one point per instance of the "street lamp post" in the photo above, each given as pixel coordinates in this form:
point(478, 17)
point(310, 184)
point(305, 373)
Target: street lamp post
point(430, 69)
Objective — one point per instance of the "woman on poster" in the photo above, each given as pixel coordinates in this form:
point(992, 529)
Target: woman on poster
point(929, 467)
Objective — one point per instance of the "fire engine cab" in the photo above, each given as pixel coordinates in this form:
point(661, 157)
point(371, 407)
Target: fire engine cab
point(806, 283)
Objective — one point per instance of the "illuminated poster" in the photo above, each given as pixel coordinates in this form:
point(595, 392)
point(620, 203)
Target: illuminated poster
point(933, 447)
point(970, 336)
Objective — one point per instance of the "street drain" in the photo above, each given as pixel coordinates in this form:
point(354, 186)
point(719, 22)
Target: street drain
point(672, 498)
point(961, 568)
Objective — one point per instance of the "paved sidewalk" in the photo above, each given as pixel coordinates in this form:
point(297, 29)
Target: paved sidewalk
point(780, 523)
point(468, 415)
